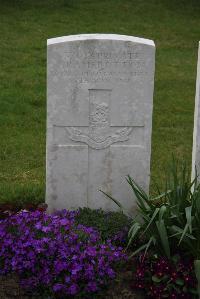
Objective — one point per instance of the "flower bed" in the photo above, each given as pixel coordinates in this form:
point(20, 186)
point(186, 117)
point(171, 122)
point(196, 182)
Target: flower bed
point(80, 254)
point(54, 256)
point(162, 278)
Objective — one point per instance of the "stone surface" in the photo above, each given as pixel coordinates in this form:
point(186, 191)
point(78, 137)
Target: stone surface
point(99, 119)
point(196, 132)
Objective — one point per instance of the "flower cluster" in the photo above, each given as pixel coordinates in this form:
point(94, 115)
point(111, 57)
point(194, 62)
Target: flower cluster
point(53, 253)
point(162, 278)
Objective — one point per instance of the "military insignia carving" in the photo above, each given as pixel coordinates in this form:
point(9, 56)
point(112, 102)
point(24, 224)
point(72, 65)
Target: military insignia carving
point(99, 135)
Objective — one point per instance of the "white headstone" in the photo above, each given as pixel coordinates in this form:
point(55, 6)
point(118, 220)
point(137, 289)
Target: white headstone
point(196, 132)
point(99, 119)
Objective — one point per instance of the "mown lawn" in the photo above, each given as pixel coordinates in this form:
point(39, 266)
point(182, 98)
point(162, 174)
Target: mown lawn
point(25, 25)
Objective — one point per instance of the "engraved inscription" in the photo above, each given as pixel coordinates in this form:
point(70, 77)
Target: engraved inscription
point(98, 66)
point(99, 135)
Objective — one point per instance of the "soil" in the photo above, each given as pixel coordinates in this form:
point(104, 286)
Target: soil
point(118, 289)
point(10, 289)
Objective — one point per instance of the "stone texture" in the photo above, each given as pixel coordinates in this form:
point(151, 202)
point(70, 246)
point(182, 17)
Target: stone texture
point(99, 119)
point(196, 132)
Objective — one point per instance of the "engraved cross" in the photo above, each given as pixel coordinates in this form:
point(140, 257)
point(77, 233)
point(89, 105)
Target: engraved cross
point(99, 134)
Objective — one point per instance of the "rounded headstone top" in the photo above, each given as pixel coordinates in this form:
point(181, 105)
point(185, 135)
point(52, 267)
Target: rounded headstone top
point(100, 36)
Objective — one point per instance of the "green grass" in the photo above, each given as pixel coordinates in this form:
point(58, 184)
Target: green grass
point(25, 25)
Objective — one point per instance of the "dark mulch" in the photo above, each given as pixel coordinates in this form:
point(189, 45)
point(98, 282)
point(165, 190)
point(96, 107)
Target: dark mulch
point(10, 289)
point(120, 288)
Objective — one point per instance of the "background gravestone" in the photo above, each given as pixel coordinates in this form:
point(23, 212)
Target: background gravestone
point(196, 132)
point(99, 119)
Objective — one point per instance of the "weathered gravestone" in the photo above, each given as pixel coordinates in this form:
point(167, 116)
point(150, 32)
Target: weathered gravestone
point(196, 132)
point(100, 98)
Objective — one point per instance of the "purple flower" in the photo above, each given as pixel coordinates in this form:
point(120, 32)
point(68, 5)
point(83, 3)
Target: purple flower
point(92, 286)
point(52, 253)
point(91, 251)
point(57, 287)
point(64, 222)
point(73, 289)
point(59, 266)
point(46, 229)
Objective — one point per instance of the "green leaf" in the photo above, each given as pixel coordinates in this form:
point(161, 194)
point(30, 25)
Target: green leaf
point(193, 291)
point(161, 212)
point(197, 202)
point(176, 258)
point(179, 231)
point(113, 199)
point(163, 237)
point(139, 249)
point(179, 282)
point(152, 219)
point(188, 213)
point(134, 230)
point(156, 278)
point(197, 269)
point(141, 196)
point(152, 239)
point(161, 195)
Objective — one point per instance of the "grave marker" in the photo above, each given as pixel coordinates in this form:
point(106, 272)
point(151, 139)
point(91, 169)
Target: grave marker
point(196, 132)
point(99, 119)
